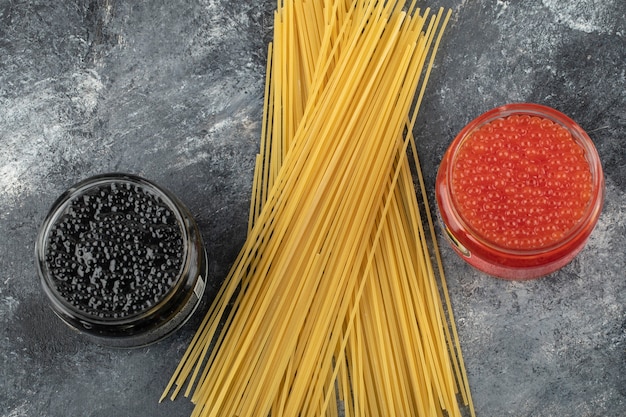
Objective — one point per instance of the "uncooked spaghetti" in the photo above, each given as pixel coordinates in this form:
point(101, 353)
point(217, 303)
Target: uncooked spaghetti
point(333, 304)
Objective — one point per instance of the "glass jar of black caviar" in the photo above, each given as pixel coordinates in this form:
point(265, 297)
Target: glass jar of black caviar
point(121, 260)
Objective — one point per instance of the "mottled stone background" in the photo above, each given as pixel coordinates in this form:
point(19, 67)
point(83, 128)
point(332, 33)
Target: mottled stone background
point(173, 90)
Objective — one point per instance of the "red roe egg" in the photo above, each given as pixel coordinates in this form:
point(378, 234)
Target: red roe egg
point(519, 191)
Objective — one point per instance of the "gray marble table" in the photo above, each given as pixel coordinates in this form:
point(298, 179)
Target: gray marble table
point(173, 90)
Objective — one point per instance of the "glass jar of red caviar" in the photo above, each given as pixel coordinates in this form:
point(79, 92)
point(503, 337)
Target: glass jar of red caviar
point(519, 191)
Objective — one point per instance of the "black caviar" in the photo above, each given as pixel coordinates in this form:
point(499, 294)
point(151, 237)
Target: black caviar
point(121, 260)
point(115, 251)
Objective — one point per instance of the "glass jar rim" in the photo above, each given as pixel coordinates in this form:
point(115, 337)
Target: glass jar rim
point(594, 206)
point(57, 210)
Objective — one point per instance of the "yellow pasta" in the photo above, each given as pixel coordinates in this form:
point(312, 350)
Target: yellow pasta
point(333, 306)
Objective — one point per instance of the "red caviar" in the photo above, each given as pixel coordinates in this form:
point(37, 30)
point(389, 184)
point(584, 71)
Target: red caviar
point(521, 182)
point(520, 190)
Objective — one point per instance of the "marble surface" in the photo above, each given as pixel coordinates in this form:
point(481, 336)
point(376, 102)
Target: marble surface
point(172, 91)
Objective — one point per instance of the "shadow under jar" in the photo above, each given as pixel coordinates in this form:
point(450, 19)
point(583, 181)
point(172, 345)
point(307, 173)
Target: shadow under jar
point(121, 260)
point(519, 191)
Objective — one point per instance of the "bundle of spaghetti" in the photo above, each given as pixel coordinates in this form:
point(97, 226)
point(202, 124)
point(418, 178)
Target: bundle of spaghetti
point(333, 303)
